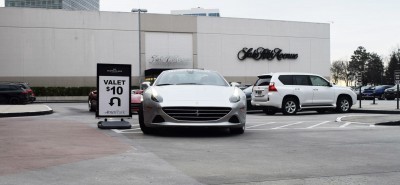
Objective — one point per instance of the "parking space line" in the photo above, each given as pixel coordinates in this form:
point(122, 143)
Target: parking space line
point(287, 125)
point(318, 124)
point(260, 125)
point(345, 125)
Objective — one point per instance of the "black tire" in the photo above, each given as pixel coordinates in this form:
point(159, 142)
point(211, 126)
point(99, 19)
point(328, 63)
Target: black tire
point(14, 100)
point(269, 111)
point(239, 130)
point(290, 106)
point(91, 107)
point(382, 97)
point(343, 104)
point(145, 129)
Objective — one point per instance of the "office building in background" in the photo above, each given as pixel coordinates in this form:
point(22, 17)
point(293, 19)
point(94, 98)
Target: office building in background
point(92, 5)
point(197, 12)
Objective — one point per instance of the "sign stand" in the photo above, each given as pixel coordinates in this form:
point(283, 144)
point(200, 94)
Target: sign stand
point(109, 124)
point(113, 96)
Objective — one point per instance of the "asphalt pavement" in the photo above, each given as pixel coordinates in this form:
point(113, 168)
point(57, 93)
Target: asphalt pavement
point(367, 106)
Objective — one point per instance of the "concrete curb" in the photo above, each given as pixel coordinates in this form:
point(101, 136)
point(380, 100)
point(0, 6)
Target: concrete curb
point(375, 111)
point(20, 114)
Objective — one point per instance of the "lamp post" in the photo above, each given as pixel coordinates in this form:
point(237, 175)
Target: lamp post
point(140, 42)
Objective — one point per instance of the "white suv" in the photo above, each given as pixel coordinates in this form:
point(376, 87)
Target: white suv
point(291, 92)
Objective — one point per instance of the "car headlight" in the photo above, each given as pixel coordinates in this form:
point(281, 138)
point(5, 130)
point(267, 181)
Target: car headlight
point(235, 96)
point(155, 97)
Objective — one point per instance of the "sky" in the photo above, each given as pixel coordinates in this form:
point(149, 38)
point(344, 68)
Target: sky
point(373, 24)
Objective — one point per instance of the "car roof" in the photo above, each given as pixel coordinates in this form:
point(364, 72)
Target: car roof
point(286, 73)
point(188, 69)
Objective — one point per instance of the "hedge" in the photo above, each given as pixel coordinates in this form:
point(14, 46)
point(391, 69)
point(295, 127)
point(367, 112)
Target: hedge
point(62, 91)
point(65, 91)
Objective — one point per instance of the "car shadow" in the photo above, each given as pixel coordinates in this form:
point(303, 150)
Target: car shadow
point(196, 132)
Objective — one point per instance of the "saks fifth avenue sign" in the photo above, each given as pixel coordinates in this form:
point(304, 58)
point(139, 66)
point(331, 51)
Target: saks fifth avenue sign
point(264, 53)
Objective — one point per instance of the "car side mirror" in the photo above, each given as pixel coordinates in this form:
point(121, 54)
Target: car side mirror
point(331, 84)
point(235, 84)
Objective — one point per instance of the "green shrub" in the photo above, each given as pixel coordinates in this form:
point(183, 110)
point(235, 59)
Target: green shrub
point(62, 91)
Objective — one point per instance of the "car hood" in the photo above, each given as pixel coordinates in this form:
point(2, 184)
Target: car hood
point(194, 93)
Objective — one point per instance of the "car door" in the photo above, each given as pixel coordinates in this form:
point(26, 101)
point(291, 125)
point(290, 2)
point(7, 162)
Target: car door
point(323, 94)
point(303, 89)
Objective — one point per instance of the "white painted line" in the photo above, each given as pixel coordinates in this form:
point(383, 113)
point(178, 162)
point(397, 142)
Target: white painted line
point(260, 125)
point(371, 125)
point(132, 132)
point(116, 130)
point(346, 124)
point(318, 124)
point(130, 129)
point(288, 125)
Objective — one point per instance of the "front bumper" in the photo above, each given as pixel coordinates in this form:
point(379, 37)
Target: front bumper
point(155, 116)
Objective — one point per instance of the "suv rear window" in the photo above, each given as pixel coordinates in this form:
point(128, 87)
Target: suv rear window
point(263, 81)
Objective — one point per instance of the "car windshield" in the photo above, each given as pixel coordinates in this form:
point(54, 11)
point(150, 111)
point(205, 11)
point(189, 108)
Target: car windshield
point(190, 77)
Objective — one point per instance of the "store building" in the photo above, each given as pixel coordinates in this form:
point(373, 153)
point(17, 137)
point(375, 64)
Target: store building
point(61, 48)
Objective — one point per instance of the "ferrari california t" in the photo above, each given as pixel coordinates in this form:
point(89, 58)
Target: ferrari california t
point(192, 98)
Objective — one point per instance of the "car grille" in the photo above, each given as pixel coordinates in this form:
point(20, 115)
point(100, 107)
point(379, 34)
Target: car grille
point(197, 113)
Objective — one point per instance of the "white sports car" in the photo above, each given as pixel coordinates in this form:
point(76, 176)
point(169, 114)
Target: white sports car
point(192, 98)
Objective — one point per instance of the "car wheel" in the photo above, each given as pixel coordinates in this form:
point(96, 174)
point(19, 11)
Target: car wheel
point(269, 111)
point(343, 104)
point(90, 104)
point(145, 129)
point(237, 130)
point(289, 106)
point(14, 100)
point(382, 97)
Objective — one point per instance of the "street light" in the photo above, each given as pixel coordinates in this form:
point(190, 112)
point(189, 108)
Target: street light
point(140, 42)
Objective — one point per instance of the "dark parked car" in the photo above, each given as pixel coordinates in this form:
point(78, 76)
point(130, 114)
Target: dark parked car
point(31, 94)
point(11, 93)
point(380, 90)
point(357, 90)
point(375, 92)
point(390, 93)
point(248, 92)
point(92, 101)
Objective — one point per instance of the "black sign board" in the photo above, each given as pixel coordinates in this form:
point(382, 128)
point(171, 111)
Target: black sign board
point(397, 76)
point(359, 77)
point(113, 90)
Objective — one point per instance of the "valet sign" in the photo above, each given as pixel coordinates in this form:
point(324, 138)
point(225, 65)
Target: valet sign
point(113, 90)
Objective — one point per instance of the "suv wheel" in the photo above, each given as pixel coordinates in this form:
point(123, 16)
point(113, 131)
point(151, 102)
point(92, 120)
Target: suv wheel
point(289, 106)
point(343, 104)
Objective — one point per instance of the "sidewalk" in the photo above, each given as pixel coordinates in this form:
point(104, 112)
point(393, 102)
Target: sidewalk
point(24, 110)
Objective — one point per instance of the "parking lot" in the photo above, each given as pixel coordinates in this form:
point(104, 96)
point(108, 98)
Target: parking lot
point(308, 148)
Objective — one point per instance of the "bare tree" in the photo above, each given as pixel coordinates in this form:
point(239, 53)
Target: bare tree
point(336, 70)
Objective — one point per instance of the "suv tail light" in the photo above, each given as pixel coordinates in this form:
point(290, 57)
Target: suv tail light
point(271, 87)
point(24, 92)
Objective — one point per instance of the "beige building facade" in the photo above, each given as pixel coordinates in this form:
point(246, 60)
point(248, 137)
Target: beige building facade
point(61, 48)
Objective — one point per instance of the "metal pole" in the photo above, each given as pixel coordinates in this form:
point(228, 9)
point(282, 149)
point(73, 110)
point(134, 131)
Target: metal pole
point(360, 96)
point(140, 50)
point(397, 95)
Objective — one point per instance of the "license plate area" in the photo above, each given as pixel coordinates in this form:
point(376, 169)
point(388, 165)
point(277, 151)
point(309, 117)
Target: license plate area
point(258, 92)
